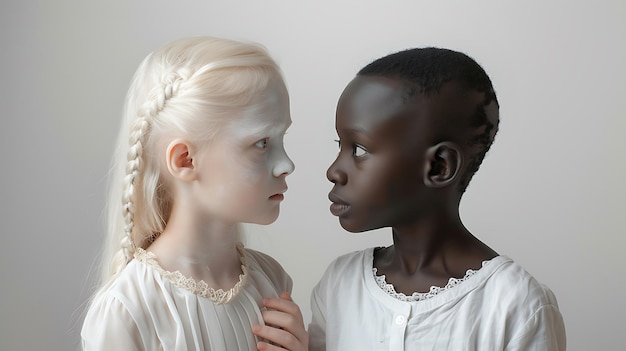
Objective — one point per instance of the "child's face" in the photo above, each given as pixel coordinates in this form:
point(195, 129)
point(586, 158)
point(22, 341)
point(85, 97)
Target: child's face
point(242, 173)
point(378, 170)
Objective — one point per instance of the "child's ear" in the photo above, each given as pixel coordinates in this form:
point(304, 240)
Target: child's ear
point(179, 160)
point(443, 164)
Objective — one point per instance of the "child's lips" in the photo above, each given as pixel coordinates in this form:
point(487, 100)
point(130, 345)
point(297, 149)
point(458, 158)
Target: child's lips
point(277, 197)
point(338, 207)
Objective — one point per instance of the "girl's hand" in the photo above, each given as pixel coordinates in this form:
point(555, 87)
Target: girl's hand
point(284, 327)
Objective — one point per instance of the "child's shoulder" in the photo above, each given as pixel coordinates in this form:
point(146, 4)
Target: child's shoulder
point(509, 271)
point(122, 297)
point(263, 261)
point(351, 259)
point(258, 262)
point(350, 263)
point(130, 285)
point(512, 277)
point(261, 258)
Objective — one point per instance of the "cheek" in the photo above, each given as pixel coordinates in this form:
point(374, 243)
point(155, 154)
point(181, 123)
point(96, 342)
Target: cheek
point(388, 183)
point(400, 186)
point(247, 176)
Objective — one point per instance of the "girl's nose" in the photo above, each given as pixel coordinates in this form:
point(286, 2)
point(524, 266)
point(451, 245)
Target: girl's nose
point(335, 175)
point(284, 166)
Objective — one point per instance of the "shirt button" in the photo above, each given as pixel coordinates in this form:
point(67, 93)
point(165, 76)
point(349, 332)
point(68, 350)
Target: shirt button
point(400, 320)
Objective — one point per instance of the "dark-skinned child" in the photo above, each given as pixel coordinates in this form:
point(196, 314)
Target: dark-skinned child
point(413, 129)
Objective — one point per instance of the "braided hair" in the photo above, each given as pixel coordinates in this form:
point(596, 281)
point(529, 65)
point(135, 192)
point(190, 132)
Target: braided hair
point(189, 88)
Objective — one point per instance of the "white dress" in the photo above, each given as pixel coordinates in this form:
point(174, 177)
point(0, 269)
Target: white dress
point(497, 307)
point(148, 308)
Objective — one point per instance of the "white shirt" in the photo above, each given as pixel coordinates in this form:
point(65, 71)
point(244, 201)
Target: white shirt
point(143, 310)
point(499, 307)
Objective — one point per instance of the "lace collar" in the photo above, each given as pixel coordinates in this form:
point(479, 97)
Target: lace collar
point(417, 296)
point(200, 288)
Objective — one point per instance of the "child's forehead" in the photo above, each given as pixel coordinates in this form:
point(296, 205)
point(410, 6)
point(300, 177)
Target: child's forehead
point(392, 106)
point(257, 127)
point(364, 89)
point(267, 116)
point(374, 96)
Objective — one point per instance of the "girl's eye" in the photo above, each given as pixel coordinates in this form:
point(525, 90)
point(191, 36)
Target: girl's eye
point(359, 150)
point(338, 143)
point(261, 144)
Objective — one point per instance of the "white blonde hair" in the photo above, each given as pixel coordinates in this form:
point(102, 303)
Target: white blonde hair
point(188, 87)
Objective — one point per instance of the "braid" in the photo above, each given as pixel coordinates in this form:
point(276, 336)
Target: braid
point(140, 128)
point(133, 168)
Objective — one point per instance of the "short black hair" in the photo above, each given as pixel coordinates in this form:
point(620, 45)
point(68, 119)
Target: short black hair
point(430, 68)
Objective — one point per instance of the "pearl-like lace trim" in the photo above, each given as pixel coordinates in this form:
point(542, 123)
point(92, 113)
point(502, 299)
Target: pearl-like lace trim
point(200, 288)
point(417, 296)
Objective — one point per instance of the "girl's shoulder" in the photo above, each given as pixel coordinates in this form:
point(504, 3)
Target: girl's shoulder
point(261, 259)
point(348, 268)
point(262, 266)
point(349, 261)
point(119, 303)
point(130, 287)
point(511, 277)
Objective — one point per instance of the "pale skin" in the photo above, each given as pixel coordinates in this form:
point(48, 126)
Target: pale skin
point(239, 177)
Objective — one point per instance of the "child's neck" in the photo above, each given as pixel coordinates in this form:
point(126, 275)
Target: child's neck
point(419, 244)
point(428, 253)
point(200, 248)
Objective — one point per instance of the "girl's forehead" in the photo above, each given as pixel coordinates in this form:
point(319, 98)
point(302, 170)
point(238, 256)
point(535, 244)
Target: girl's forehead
point(368, 102)
point(267, 116)
point(372, 97)
point(258, 124)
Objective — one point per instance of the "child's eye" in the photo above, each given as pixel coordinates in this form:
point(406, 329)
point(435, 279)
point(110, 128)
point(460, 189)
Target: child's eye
point(359, 150)
point(261, 144)
point(338, 143)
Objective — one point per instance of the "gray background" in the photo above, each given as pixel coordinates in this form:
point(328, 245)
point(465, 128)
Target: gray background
point(550, 193)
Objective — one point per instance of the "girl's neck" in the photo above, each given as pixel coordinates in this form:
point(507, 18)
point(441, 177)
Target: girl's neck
point(429, 252)
point(421, 243)
point(199, 247)
point(434, 243)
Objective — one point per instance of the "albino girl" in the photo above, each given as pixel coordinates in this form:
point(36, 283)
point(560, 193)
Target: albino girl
point(200, 150)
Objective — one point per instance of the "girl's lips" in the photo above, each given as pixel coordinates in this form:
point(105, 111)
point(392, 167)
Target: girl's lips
point(338, 206)
point(338, 209)
point(277, 197)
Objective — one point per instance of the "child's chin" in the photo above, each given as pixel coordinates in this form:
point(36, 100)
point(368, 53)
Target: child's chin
point(356, 227)
point(267, 219)
point(351, 227)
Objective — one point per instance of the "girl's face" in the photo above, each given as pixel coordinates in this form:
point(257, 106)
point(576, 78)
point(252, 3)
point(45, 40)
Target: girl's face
point(242, 172)
point(377, 173)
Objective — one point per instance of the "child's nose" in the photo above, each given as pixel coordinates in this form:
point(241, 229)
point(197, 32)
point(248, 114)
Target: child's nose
point(284, 166)
point(335, 175)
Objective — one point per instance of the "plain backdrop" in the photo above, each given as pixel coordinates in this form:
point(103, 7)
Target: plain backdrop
point(550, 193)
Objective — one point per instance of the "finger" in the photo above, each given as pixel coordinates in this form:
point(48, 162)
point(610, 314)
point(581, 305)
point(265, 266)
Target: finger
point(290, 309)
point(276, 336)
point(292, 324)
point(284, 304)
point(281, 319)
point(263, 346)
point(285, 295)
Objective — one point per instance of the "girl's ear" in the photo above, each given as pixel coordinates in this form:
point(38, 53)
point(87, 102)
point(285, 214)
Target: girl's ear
point(179, 160)
point(443, 164)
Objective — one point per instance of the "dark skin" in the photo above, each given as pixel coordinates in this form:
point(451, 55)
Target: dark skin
point(400, 162)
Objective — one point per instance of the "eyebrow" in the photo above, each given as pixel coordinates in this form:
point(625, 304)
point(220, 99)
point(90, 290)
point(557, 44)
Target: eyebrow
point(270, 129)
point(361, 131)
